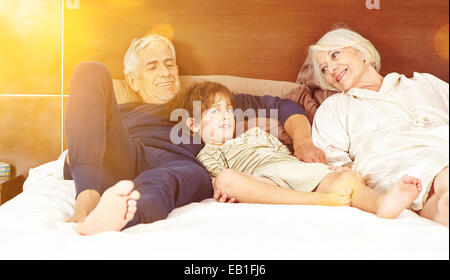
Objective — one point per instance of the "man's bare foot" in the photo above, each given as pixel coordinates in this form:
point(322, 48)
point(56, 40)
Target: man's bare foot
point(443, 209)
point(84, 204)
point(399, 198)
point(115, 209)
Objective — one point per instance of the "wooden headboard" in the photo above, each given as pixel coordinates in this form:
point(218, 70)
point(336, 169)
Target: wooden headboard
point(263, 39)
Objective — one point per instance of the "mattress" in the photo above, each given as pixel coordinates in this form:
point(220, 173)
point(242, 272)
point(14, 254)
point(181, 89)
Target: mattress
point(32, 226)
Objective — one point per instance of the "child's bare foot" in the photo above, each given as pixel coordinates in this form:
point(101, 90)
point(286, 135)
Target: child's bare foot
point(115, 209)
point(443, 208)
point(400, 197)
point(339, 198)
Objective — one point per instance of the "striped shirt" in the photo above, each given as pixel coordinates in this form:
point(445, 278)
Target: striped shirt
point(246, 153)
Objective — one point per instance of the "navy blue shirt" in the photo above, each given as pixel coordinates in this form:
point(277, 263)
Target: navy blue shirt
point(149, 126)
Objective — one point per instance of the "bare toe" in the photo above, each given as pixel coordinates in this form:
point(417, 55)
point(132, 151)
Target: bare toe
point(400, 197)
point(123, 187)
point(408, 179)
point(135, 195)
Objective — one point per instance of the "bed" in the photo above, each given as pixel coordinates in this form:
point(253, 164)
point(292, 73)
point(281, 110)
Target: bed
point(264, 40)
point(32, 225)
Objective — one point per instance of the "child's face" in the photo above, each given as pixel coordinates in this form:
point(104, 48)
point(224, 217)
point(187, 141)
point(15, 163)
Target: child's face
point(217, 125)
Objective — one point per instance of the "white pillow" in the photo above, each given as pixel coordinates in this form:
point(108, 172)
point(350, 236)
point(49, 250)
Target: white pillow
point(235, 84)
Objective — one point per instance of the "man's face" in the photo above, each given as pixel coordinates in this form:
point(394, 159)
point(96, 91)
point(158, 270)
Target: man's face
point(157, 75)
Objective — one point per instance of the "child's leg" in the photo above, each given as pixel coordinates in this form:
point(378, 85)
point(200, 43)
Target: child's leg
point(389, 205)
point(363, 197)
point(251, 189)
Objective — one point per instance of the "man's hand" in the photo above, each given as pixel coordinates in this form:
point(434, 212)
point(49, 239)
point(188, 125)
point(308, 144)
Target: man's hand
point(299, 129)
point(307, 152)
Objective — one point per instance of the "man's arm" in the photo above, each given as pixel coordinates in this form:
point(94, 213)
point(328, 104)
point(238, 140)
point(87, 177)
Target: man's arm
point(299, 129)
point(293, 119)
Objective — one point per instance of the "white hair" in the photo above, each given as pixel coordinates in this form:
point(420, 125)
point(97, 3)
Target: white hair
point(131, 61)
point(338, 39)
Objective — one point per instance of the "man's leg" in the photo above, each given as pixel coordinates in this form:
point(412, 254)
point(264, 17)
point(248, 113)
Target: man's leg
point(436, 207)
point(101, 152)
point(160, 190)
point(174, 183)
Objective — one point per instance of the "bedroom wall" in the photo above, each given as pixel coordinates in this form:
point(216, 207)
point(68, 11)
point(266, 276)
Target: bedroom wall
point(43, 41)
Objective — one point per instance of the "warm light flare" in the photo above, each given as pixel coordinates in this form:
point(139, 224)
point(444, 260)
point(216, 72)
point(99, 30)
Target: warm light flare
point(441, 41)
point(30, 45)
point(163, 29)
point(127, 4)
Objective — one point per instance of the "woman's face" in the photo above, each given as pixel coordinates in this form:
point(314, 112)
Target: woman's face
point(342, 68)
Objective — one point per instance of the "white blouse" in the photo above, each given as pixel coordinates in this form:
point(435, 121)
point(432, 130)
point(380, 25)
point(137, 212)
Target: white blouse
point(402, 129)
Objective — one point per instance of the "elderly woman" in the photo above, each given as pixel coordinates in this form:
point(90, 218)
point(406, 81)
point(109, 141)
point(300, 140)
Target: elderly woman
point(383, 127)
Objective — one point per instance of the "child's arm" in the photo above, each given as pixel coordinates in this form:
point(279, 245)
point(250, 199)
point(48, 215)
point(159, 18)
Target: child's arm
point(276, 144)
point(213, 166)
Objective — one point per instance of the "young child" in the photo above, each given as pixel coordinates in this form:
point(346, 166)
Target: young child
point(256, 167)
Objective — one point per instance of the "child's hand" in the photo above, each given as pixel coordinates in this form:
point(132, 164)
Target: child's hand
point(340, 198)
point(222, 196)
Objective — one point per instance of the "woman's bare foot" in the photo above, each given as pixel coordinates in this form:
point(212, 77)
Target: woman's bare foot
point(115, 209)
point(400, 197)
point(443, 209)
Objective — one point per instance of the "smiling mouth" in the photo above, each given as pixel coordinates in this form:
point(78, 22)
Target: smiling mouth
point(224, 126)
point(339, 78)
point(165, 84)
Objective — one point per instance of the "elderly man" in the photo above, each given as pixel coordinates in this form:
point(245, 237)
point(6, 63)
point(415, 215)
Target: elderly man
point(125, 167)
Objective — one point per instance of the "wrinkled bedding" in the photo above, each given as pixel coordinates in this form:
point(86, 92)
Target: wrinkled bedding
point(32, 227)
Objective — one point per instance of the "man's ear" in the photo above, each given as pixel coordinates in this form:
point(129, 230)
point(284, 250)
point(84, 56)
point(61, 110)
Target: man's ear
point(132, 81)
point(193, 126)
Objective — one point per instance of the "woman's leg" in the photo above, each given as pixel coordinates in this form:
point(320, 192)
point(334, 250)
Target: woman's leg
point(436, 207)
point(251, 189)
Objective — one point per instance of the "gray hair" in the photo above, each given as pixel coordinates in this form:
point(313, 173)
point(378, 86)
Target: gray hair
point(131, 61)
point(338, 39)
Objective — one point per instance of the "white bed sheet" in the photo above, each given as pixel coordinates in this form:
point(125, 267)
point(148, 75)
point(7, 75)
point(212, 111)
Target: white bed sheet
point(32, 227)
